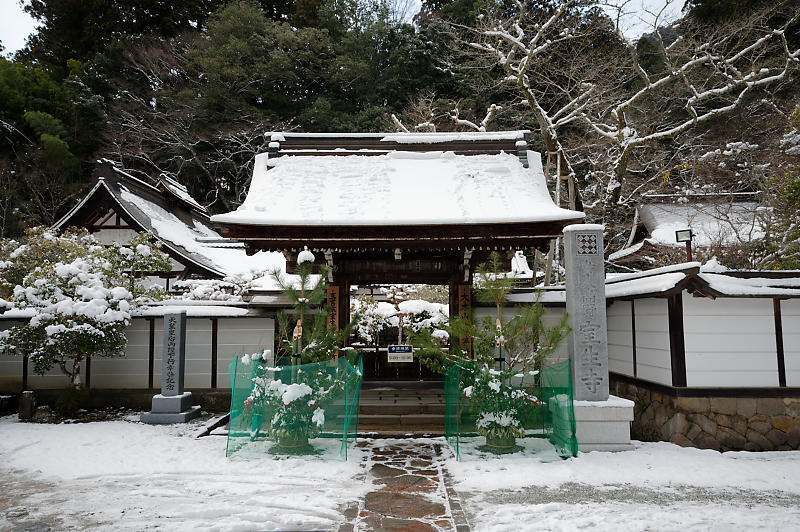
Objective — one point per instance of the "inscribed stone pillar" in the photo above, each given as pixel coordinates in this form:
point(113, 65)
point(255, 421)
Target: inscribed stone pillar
point(173, 404)
point(586, 306)
point(174, 358)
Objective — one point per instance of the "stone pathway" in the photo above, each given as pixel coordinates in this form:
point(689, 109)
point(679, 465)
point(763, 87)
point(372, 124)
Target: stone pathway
point(411, 490)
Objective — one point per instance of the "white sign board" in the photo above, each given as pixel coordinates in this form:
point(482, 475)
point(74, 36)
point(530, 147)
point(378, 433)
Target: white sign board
point(400, 353)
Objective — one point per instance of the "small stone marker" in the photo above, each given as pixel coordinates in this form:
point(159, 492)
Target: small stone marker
point(27, 405)
point(586, 306)
point(172, 405)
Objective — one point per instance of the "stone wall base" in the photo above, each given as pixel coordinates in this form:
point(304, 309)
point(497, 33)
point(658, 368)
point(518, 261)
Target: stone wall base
point(209, 400)
point(719, 423)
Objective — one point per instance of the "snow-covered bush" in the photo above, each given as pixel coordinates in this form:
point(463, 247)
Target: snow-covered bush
point(79, 302)
point(503, 408)
point(294, 406)
point(230, 288)
point(495, 356)
point(375, 317)
point(40, 246)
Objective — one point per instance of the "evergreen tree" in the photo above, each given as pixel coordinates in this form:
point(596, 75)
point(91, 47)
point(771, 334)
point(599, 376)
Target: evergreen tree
point(79, 29)
point(523, 341)
point(305, 334)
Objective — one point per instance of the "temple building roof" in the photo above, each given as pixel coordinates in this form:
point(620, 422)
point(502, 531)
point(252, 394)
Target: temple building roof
point(398, 188)
point(379, 191)
point(120, 205)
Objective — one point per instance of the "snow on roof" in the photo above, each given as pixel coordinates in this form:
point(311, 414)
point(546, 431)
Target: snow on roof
point(624, 252)
point(711, 223)
point(691, 267)
point(180, 191)
point(411, 138)
point(399, 188)
point(172, 230)
point(644, 285)
point(550, 296)
point(753, 286)
point(426, 138)
point(709, 281)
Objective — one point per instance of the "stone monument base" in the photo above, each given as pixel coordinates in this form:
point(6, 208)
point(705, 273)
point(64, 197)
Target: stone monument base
point(170, 409)
point(604, 425)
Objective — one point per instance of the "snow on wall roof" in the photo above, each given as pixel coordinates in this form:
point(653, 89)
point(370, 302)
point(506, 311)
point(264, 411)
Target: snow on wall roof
point(752, 286)
point(193, 311)
point(711, 223)
point(662, 281)
point(644, 285)
point(399, 188)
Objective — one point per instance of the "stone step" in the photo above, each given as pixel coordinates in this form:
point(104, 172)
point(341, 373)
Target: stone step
point(405, 431)
point(401, 420)
point(402, 394)
point(402, 400)
point(403, 385)
point(383, 407)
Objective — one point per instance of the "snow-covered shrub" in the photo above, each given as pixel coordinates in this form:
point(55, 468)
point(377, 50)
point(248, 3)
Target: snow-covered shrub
point(80, 304)
point(230, 288)
point(375, 317)
point(40, 246)
point(289, 403)
point(502, 407)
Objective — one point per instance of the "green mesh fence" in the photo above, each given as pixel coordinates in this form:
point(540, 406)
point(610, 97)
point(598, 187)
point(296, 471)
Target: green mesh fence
point(293, 410)
point(489, 412)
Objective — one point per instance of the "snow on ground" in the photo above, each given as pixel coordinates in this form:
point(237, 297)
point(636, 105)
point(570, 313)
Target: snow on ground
point(123, 475)
point(658, 486)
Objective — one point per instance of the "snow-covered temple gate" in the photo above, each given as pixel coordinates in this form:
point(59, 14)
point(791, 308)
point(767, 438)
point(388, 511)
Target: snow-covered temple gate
point(397, 208)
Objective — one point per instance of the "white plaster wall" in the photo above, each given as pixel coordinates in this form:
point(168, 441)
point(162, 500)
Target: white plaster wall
point(10, 366)
point(109, 236)
point(237, 336)
point(11, 372)
point(620, 340)
point(51, 380)
point(129, 371)
point(198, 353)
point(730, 342)
point(653, 360)
point(790, 318)
point(552, 317)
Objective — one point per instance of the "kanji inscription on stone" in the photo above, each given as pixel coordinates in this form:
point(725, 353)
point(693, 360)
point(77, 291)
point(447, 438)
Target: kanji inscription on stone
point(174, 354)
point(586, 307)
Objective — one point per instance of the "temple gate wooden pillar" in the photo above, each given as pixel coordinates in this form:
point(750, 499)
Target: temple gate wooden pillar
point(460, 302)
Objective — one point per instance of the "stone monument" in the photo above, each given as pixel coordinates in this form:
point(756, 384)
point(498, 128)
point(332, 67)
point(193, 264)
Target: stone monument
point(586, 306)
point(602, 422)
point(173, 404)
